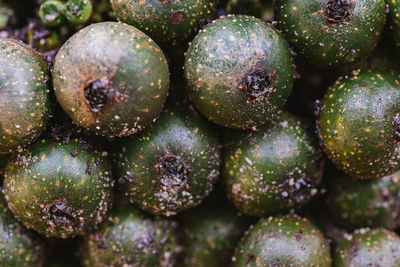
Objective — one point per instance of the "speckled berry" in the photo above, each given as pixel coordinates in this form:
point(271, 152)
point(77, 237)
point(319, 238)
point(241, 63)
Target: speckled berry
point(283, 241)
point(394, 20)
point(59, 190)
point(24, 95)
point(239, 71)
point(18, 247)
point(354, 203)
point(274, 169)
point(167, 20)
point(111, 79)
point(359, 124)
point(171, 166)
point(331, 33)
point(211, 232)
point(130, 237)
point(368, 247)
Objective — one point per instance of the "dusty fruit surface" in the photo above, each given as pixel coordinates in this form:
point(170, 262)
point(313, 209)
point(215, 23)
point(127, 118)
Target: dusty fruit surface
point(274, 169)
point(368, 247)
point(24, 95)
point(331, 33)
point(111, 78)
point(359, 124)
point(283, 241)
point(354, 203)
point(18, 246)
point(59, 190)
point(130, 237)
point(167, 20)
point(239, 71)
point(172, 165)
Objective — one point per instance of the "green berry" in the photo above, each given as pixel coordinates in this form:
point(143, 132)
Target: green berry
point(166, 20)
point(368, 247)
point(245, 7)
point(5, 14)
point(283, 241)
point(111, 78)
point(130, 237)
point(172, 165)
point(360, 203)
point(331, 33)
point(78, 11)
point(273, 170)
point(359, 124)
point(18, 247)
point(51, 12)
point(24, 95)
point(59, 190)
point(210, 232)
point(239, 71)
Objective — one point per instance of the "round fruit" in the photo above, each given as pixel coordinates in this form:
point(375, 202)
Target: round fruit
point(59, 190)
point(394, 20)
point(283, 241)
point(368, 247)
point(51, 12)
point(165, 20)
point(359, 124)
point(18, 247)
point(111, 79)
point(78, 11)
point(171, 166)
point(130, 238)
point(273, 169)
point(360, 203)
point(211, 231)
point(239, 71)
point(331, 33)
point(24, 95)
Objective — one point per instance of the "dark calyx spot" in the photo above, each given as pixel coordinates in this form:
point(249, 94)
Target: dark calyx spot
point(178, 17)
point(338, 10)
point(296, 187)
point(60, 215)
point(257, 86)
point(172, 171)
point(396, 124)
point(97, 93)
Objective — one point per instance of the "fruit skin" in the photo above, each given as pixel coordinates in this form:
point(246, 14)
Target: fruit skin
point(51, 12)
point(274, 169)
point(59, 190)
point(18, 247)
point(165, 21)
point(78, 11)
point(211, 232)
point(328, 42)
point(394, 20)
point(225, 66)
point(356, 203)
point(283, 241)
point(130, 237)
point(172, 165)
point(24, 95)
point(368, 247)
point(358, 125)
point(102, 70)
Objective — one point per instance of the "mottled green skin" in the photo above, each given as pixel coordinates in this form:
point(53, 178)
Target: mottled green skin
point(48, 174)
point(360, 203)
point(130, 238)
point(357, 124)
point(165, 20)
point(325, 44)
point(24, 95)
point(368, 247)
point(181, 133)
point(263, 170)
point(394, 20)
point(133, 65)
point(219, 60)
point(245, 7)
point(211, 232)
point(283, 241)
point(18, 247)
